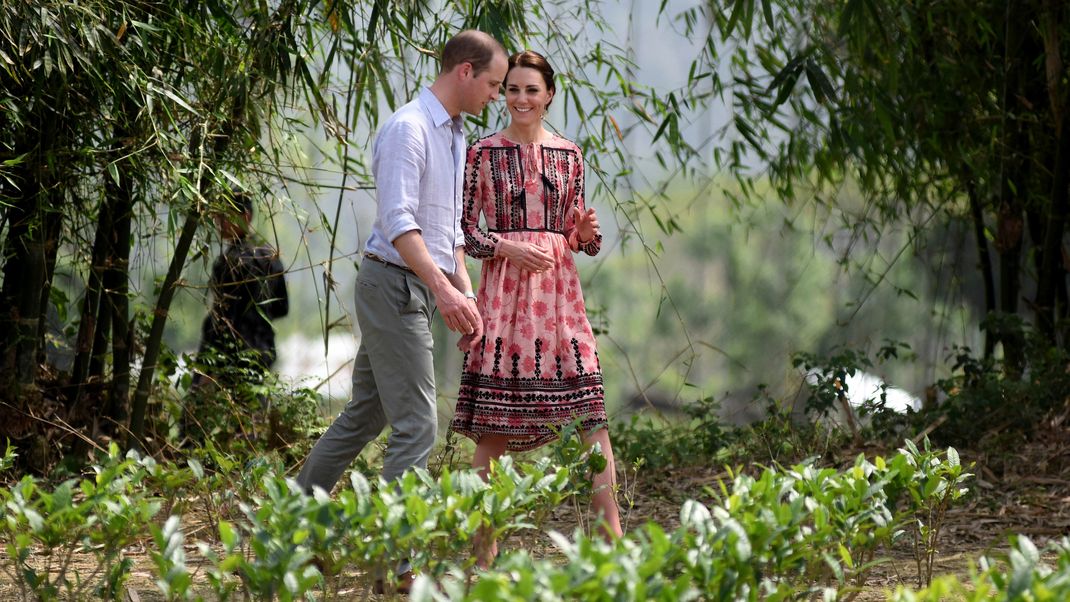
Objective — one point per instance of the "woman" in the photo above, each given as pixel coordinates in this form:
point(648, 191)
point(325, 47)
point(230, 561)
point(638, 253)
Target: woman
point(536, 369)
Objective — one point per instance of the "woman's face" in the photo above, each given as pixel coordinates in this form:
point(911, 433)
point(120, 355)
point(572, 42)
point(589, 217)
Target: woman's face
point(526, 95)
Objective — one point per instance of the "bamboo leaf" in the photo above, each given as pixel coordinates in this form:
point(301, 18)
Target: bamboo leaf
point(737, 12)
point(169, 94)
point(767, 9)
point(819, 83)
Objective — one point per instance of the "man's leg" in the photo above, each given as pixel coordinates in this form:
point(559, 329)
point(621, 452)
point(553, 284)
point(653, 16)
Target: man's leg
point(359, 423)
point(393, 380)
point(402, 359)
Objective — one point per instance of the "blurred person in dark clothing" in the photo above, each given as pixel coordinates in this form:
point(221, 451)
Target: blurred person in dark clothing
point(248, 292)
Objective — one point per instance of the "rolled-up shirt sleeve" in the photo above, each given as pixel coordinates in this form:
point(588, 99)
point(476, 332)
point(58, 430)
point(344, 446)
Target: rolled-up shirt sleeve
point(398, 166)
point(458, 237)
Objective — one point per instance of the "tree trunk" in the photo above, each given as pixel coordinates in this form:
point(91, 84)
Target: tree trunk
point(87, 325)
point(20, 296)
point(98, 356)
point(983, 255)
point(117, 285)
point(1052, 272)
point(1012, 186)
point(159, 320)
point(53, 224)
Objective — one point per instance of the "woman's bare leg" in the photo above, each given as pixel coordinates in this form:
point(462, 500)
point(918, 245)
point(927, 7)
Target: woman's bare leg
point(490, 447)
point(604, 499)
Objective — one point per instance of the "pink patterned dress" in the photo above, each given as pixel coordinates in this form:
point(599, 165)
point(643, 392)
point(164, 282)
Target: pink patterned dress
point(536, 368)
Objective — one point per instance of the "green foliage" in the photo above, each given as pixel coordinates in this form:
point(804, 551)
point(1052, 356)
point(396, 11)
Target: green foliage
point(242, 407)
point(781, 534)
point(8, 459)
point(270, 550)
point(790, 534)
point(650, 442)
point(98, 516)
point(169, 557)
point(894, 99)
point(657, 443)
point(933, 484)
point(782, 439)
point(1020, 576)
point(830, 374)
point(987, 405)
point(642, 567)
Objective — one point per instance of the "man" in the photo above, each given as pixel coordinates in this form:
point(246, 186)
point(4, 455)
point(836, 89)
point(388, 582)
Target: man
point(249, 291)
point(413, 263)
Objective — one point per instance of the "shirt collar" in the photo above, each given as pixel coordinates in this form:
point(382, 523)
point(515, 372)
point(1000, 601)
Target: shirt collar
point(436, 111)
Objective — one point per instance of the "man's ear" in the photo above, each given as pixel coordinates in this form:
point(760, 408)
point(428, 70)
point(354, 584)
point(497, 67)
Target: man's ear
point(464, 70)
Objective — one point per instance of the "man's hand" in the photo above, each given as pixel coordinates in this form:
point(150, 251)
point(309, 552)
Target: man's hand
point(459, 312)
point(469, 342)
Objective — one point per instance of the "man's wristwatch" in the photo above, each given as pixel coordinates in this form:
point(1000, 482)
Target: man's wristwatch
point(470, 295)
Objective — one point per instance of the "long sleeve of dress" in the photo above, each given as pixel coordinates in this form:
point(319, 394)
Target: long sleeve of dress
point(478, 243)
point(590, 247)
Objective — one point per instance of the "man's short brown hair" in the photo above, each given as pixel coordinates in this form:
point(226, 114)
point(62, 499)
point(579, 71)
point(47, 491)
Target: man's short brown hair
point(473, 47)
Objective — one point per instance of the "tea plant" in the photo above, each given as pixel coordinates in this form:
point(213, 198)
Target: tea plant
point(933, 485)
point(1021, 576)
point(781, 439)
point(800, 533)
point(174, 579)
point(284, 544)
point(641, 567)
point(8, 459)
point(791, 531)
point(998, 404)
point(98, 516)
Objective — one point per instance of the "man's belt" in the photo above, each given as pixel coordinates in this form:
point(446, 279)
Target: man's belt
point(388, 264)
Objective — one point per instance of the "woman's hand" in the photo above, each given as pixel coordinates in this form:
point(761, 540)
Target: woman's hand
point(467, 342)
point(586, 224)
point(526, 256)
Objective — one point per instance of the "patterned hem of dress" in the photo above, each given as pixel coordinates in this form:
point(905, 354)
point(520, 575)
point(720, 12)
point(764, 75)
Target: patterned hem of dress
point(527, 441)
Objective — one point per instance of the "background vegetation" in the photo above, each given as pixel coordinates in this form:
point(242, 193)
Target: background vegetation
point(843, 187)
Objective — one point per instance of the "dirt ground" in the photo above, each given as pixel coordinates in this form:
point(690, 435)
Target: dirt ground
point(1025, 492)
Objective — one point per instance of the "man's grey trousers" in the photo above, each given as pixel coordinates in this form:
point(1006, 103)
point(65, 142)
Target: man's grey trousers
point(393, 380)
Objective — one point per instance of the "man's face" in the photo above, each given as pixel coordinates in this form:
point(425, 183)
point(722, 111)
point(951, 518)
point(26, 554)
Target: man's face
point(479, 90)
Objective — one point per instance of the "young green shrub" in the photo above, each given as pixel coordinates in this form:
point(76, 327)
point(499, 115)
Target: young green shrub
point(284, 544)
point(933, 481)
point(801, 533)
point(998, 403)
point(643, 566)
point(169, 558)
point(98, 516)
point(278, 562)
point(1020, 576)
point(658, 443)
point(655, 444)
point(8, 459)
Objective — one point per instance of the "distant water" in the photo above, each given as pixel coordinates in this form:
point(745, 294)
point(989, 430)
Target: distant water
point(307, 362)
